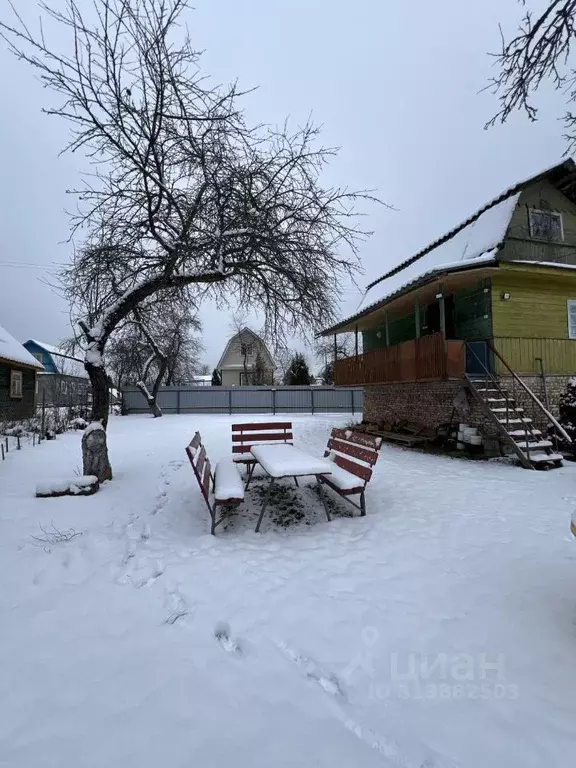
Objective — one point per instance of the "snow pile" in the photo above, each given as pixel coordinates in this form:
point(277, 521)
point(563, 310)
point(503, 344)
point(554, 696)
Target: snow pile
point(12, 350)
point(60, 487)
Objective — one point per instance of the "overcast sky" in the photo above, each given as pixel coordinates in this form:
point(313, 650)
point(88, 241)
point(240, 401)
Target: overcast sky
point(395, 84)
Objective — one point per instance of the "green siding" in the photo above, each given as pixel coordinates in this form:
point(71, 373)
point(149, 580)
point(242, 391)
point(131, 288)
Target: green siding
point(472, 312)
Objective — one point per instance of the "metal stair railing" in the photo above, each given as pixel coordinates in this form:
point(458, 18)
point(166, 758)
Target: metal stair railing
point(536, 403)
point(489, 378)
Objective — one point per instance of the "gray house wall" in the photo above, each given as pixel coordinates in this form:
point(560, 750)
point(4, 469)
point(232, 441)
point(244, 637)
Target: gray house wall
point(232, 363)
point(17, 408)
point(520, 245)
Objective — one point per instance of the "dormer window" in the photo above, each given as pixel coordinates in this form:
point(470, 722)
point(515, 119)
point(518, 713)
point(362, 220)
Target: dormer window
point(546, 225)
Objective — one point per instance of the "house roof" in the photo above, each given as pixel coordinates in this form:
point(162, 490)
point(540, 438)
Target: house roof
point(236, 335)
point(65, 364)
point(466, 246)
point(12, 351)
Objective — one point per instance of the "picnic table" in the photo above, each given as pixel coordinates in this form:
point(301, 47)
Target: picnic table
point(284, 460)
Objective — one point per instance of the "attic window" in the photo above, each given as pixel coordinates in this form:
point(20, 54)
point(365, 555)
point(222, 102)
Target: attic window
point(546, 225)
point(247, 350)
point(572, 319)
point(38, 356)
point(16, 384)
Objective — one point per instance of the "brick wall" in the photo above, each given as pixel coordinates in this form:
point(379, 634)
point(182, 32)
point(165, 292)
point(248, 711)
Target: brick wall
point(555, 387)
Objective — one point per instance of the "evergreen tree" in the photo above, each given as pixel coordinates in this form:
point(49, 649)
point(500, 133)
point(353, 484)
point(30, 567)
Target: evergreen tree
point(259, 374)
point(567, 412)
point(298, 373)
point(327, 373)
point(216, 378)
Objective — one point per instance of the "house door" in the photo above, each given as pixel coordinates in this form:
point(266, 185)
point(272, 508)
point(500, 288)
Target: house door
point(478, 358)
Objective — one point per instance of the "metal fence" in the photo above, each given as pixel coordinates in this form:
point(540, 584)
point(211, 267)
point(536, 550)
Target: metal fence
point(232, 400)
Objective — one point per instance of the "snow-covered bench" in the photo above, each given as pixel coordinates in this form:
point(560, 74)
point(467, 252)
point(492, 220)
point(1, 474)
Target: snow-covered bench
point(354, 454)
point(227, 486)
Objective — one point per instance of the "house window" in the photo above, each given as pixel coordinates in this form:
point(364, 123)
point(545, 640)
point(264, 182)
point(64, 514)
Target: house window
point(572, 319)
point(38, 356)
point(546, 225)
point(15, 384)
point(247, 350)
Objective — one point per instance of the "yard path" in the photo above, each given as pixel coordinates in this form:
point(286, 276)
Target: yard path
point(440, 630)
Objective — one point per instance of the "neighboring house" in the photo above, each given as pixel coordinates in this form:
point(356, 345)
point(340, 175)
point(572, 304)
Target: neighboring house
point(18, 369)
point(64, 381)
point(492, 299)
point(237, 363)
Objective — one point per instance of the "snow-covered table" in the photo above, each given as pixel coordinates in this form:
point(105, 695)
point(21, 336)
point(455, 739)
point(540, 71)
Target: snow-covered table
point(285, 460)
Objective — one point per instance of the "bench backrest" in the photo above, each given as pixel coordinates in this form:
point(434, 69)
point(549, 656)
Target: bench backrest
point(244, 436)
point(201, 465)
point(356, 452)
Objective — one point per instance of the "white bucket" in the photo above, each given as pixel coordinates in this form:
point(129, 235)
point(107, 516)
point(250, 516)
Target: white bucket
point(462, 427)
point(475, 440)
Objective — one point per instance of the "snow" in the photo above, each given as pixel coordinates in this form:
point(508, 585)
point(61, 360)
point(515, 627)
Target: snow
point(65, 364)
point(343, 479)
point(285, 460)
point(474, 245)
point(439, 628)
point(12, 350)
point(62, 485)
point(228, 482)
point(94, 426)
point(543, 264)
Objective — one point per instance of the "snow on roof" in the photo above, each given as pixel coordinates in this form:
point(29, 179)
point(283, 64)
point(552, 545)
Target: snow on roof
point(466, 249)
point(12, 350)
point(48, 347)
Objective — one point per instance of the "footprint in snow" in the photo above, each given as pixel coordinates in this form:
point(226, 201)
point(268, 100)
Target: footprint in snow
point(230, 644)
point(176, 607)
point(147, 575)
point(326, 680)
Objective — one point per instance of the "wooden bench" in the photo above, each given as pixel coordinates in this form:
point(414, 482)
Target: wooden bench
point(354, 455)
point(244, 436)
point(226, 482)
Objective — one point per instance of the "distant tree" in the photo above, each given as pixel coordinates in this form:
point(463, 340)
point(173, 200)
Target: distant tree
point(216, 378)
point(298, 373)
point(539, 52)
point(204, 369)
point(260, 374)
point(327, 373)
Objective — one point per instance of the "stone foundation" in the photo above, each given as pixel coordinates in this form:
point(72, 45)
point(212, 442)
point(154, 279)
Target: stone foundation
point(428, 402)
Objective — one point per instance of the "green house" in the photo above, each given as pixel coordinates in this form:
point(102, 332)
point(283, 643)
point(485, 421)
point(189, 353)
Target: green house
point(489, 307)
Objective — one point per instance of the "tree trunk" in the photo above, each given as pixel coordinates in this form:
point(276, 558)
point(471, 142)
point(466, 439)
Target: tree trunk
point(94, 445)
point(156, 410)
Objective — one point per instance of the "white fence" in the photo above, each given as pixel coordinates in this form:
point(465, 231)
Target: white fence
point(233, 400)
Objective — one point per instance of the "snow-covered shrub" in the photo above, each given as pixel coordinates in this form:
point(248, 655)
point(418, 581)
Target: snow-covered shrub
point(567, 414)
point(78, 423)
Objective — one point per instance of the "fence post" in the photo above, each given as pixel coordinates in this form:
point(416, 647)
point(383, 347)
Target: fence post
point(178, 401)
point(2, 450)
point(230, 401)
point(43, 421)
point(274, 402)
point(312, 400)
point(352, 398)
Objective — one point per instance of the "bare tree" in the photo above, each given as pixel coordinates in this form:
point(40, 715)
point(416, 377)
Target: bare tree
point(183, 191)
point(539, 52)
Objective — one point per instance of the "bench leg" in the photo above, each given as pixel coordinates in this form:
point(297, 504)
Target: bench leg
point(250, 473)
point(296, 481)
point(362, 505)
point(266, 500)
point(323, 498)
point(213, 518)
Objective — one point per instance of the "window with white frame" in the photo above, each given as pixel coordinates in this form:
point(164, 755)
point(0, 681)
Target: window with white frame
point(572, 319)
point(546, 225)
point(247, 350)
point(15, 383)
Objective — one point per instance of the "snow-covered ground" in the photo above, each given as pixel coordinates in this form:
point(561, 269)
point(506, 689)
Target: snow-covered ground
point(440, 630)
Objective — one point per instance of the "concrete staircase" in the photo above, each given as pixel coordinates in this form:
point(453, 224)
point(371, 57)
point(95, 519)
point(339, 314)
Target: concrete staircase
point(516, 428)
